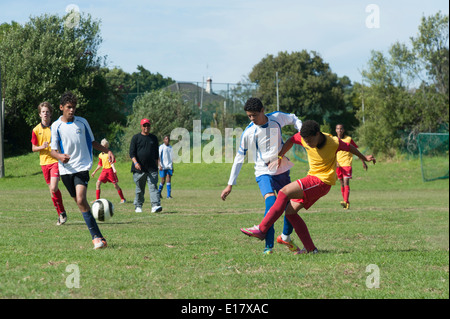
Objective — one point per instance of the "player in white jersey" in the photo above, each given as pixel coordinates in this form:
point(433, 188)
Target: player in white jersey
point(71, 144)
point(262, 140)
point(166, 166)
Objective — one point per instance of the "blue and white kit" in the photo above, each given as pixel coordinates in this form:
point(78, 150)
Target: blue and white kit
point(75, 139)
point(263, 143)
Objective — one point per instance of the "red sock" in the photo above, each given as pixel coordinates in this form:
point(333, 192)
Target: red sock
point(97, 193)
point(120, 194)
point(274, 212)
point(346, 193)
point(58, 202)
point(56, 205)
point(302, 231)
point(343, 192)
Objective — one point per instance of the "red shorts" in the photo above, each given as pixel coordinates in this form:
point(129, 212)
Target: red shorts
point(313, 189)
point(50, 170)
point(344, 172)
point(108, 175)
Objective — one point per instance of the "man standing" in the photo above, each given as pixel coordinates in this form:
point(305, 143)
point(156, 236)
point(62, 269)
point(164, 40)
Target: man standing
point(144, 154)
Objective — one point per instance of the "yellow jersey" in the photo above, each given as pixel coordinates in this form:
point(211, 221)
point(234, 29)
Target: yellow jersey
point(39, 135)
point(346, 158)
point(322, 161)
point(103, 160)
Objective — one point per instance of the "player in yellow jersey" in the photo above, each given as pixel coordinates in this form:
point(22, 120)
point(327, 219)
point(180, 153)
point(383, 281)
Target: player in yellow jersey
point(108, 174)
point(303, 193)
point(344, 165)
point(40, 142)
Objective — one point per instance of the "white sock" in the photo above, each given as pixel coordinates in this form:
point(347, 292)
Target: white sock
point(286, 238)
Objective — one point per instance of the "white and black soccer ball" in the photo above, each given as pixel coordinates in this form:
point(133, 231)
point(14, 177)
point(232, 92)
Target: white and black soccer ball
point(102, 210)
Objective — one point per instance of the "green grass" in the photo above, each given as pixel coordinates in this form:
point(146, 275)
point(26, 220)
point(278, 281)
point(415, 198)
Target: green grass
point(194, 248)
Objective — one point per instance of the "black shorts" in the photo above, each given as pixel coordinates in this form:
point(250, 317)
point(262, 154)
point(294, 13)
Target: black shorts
point(72, 180)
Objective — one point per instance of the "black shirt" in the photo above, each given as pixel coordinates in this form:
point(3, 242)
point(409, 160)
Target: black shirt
point(145, 149)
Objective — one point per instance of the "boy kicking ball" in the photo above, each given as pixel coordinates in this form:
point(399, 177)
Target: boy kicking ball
point(303, 193)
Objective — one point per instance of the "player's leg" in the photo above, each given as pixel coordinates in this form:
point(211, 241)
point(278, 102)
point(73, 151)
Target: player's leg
point(299, 225)
point(162, 174)
point(288, 192)
point(169, 183)
point(119, 191)
point(279, 181)
point(266, 187)
point(81, 181)
point(98, 189)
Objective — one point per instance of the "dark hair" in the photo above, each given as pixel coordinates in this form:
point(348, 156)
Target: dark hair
point(68, 97)
point(309, 128)
point(253, 104)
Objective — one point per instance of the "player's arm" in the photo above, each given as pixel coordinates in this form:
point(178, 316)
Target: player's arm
point(35, 147)
point(237, 165)
point(63, 158)
point(355, 151)
point(95, 171)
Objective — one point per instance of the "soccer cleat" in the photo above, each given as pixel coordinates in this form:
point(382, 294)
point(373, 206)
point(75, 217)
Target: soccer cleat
point(347, 205)
point(254, 232)
point(343, 204)
point(267, 251)
point(304, 251)
point(99, 243)
point(138, 210)
point(156, 209)
point(62, 218)
point(169, 197)
point(292, 247)
point(123, 201)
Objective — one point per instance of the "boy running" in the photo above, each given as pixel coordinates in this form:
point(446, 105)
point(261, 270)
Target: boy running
point(166, 166)
point(263, 136)
point(303, 193)
point(344, 165)
point(72, 143)
point(40, 142)
point(108, 174)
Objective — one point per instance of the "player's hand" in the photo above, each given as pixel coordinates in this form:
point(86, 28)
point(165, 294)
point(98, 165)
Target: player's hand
point(365, 166)
point(45, 145)
point(371, 158)
point(64, 158)
point(226, 192)
point(111, 157)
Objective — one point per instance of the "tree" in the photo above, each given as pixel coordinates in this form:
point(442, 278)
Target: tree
point(307, 86)
point(165, 110)
point(44, 58)
point(407, 92)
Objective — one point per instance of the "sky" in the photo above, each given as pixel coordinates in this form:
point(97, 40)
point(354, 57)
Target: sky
point(191, 40)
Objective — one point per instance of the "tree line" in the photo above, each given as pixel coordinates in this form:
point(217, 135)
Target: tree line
point(403, 92)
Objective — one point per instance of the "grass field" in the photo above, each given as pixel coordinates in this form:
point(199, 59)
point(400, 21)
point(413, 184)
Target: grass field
point(194, 248)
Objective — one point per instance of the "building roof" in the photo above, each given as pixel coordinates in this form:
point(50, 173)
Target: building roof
point(192, 92)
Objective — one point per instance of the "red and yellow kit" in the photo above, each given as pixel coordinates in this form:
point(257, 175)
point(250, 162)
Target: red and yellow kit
point(322, 162)
point(346, 158)
point(39, 135)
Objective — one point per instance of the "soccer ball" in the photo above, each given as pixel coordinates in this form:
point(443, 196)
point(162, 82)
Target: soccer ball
point(102, 210)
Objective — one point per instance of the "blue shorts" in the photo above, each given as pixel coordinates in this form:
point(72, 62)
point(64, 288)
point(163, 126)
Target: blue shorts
point(272, 183)
point(165, 172)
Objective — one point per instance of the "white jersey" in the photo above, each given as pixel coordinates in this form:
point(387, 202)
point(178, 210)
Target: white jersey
point(263, 143)
point(75, 139)
point(166, 156)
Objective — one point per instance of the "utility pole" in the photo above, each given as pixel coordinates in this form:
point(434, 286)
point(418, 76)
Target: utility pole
point(2, 129)
point(278, 97)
